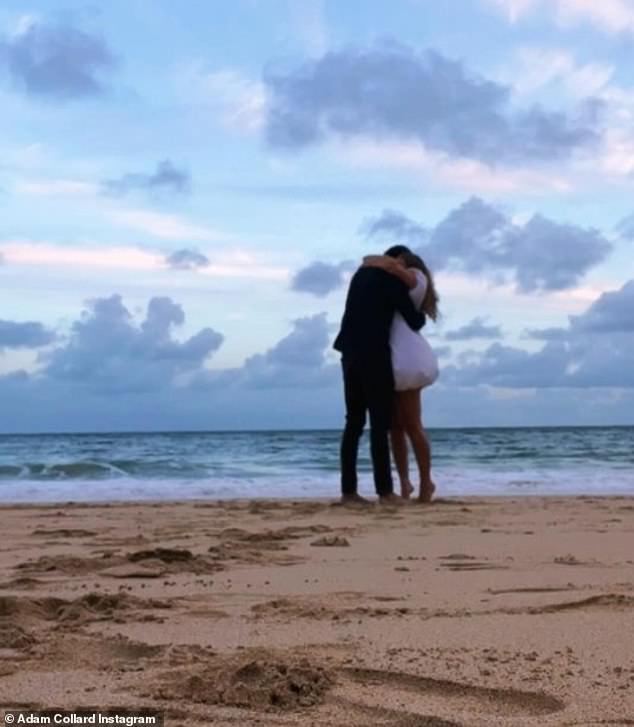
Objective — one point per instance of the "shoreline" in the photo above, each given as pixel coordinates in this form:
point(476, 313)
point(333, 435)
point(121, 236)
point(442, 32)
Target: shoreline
point(513, 611)
point(331, 501)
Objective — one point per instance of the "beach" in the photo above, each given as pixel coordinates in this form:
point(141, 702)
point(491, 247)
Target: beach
point(473, 611)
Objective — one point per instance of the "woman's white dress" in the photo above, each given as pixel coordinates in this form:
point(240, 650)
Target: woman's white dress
point(413, 360)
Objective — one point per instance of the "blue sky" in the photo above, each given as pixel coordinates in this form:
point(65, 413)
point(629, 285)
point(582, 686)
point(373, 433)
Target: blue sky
point(185, 189)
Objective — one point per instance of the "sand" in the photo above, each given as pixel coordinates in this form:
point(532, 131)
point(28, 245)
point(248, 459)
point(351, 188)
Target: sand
point(473, 612)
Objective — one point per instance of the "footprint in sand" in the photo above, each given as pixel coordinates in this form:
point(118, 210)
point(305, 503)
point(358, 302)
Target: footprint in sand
point(262, 682)
point(570, 559)
point(332, 541)
point(607, 601)
point(535, 589)
point(145, 563)
point(369, 690)
point(25, 621)
point(463, 562)
point(101, 653)
point(64, 533)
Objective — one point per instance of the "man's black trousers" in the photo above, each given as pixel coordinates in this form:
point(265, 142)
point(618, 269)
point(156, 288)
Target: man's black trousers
point(368, 388)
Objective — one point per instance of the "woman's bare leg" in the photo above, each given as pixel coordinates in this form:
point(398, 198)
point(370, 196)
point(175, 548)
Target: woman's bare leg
point(399, 451)
point(410, 413)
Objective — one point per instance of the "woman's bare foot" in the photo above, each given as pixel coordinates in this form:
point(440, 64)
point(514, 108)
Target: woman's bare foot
point(407, 489)
point(426, 493)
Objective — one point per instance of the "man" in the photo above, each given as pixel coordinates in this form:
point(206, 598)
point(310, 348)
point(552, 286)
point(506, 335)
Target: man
point(364, 342)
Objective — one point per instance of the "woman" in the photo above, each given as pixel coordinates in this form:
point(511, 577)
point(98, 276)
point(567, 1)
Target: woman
point(415, 366)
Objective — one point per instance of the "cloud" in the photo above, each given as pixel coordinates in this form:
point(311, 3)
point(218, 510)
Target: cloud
point(228, 263)
point(228, 95)
point(394, 93)
point(626, 227)
point(610, 313)
point(108, 352)
point(480, 240)
point(392, 223)
point(115, 371)
point(442, 351)
point(297, 360)
point(545, 334)
point(539, 67)
point(158, 224)
point(320, 278)
point(58, 62)
point(548, 255)
point(24, 335)
point(545, 72)
point(476, 328)
point(575, 364)
point(187, 260)
point(611, 16)
point(442, 170)
point(580, 356)
point(55, 188)
point(166, 180)
point(509, 367)
point(26, 252)
point(299, 353)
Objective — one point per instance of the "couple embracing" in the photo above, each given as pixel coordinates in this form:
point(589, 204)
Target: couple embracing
point(386, 363)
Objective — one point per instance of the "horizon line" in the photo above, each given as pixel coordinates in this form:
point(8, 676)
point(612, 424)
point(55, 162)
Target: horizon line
point(299, 429)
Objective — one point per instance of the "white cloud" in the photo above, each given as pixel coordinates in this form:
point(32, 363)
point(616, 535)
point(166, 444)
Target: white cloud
point(537, 68)
point(56, 188)
point(22, 23)
point(243, 100)
point(241, 263)
point(611, 16)
point(538, 73)
point(158, 224)
point(462, 174)
point(617, 157)
point(25, 252)
point(228, 263)
point(237, 99)
point(166, 226)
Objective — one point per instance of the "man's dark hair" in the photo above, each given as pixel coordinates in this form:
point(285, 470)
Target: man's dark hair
point(397, 250)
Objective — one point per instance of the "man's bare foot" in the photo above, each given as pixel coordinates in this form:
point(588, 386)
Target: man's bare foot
point(426, 493)
point(355, 499)
point(391, 499)
point(407, 489)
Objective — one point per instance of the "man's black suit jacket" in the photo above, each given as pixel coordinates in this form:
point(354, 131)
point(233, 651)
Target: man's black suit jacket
point(373, 297)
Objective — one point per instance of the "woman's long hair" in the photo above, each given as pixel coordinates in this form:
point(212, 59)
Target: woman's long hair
point(429, 306)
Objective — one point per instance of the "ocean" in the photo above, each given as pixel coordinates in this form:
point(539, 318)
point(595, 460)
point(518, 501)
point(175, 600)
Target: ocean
point(304, 464)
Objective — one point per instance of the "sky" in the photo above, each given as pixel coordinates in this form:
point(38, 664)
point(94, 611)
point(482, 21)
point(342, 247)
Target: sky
point(186, 189)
